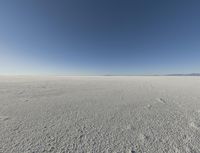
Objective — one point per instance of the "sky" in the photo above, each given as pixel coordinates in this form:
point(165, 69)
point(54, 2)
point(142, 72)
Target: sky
point(99, 37)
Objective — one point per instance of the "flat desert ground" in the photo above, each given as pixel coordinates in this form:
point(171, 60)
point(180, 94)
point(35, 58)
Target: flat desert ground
point(105, 114)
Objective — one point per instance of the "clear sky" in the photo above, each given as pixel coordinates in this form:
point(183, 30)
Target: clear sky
point(97, 37)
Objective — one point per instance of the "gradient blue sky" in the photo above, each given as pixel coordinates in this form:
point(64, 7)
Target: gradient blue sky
point(97, 37)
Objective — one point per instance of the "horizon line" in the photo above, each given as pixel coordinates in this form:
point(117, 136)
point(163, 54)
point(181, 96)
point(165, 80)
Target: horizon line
point(70, 75)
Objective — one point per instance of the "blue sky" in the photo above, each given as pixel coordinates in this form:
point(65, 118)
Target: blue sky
point(97, 37)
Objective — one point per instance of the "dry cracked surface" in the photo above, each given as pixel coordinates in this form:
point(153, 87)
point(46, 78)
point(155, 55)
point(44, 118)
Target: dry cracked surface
point(99, 114)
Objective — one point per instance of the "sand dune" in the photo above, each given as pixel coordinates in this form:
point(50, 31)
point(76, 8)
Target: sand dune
point(100, 114)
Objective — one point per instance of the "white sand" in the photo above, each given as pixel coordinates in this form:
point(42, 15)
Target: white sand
point(100, 114)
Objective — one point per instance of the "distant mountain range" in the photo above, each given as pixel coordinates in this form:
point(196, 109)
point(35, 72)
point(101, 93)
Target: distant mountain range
point(190, 74)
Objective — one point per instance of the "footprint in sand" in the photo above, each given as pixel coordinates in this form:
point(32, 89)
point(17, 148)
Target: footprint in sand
point(143, 138)
point(195, 125)
point(161, 100)
point(195, 122)
point(190, 149)
point(4, 118)
point(131, 151)
point(176, 150)
point(21, 92)
point(129, 127)
point(198, 112)
point(149, 106)
point(26, 100)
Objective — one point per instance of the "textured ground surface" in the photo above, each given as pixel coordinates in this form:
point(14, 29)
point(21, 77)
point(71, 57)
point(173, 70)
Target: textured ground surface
point(100, 114)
